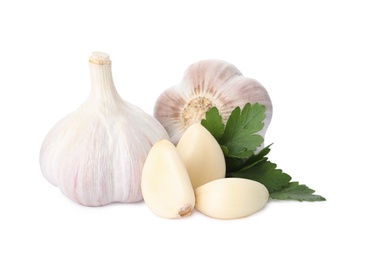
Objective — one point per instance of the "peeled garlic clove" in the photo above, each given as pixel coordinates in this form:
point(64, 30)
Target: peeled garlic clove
point(166, 187)
point(201, 155)
point(231, 198)
point(206, 84)
point(96, 154)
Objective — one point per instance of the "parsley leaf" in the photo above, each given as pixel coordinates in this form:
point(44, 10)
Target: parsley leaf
point(239, 134)
point(238, 141)
point(234, 164)
point(213, 122)
point(296, 191)
point(266, 173)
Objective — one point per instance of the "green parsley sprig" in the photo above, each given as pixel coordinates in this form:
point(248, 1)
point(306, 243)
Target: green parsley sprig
point(239, 140)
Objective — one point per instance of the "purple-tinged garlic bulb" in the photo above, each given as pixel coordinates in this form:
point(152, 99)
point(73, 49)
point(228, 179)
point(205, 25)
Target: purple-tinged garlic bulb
point(96, 154)
point(206, 84)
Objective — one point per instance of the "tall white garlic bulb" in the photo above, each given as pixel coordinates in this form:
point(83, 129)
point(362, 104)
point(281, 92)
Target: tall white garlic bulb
point(206, 84)
point(96, 154)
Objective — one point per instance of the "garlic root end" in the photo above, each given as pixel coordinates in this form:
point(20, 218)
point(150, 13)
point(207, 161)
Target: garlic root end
point(185, 211)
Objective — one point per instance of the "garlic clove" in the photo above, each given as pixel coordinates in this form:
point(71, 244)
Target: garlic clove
point(166, 187)
point(96, 153)
point(206, 84)
point(231, 198)
point(202, 155)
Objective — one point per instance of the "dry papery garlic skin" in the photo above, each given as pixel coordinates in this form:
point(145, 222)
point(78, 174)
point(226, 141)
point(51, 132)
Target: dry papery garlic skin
point(231, 198)
point(206, 84)
point(96, 154)
point(166, 187)
point(202, 155)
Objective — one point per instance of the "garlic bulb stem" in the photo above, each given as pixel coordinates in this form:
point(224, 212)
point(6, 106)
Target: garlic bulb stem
point(102, 85)
point(100, 58)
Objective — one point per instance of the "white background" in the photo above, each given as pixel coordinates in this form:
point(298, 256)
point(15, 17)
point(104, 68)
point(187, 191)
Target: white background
point(314, 58)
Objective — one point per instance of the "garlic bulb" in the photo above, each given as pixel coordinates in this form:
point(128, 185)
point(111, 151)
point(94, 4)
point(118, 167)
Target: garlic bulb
point(95, 155)
point(231, 198)
point(202, 155)
point(166, 187)
point(206, 84)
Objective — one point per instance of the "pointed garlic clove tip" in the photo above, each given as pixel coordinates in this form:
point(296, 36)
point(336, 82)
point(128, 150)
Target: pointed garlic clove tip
point(202, 155)
point(231, 198)
point(166, 187)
